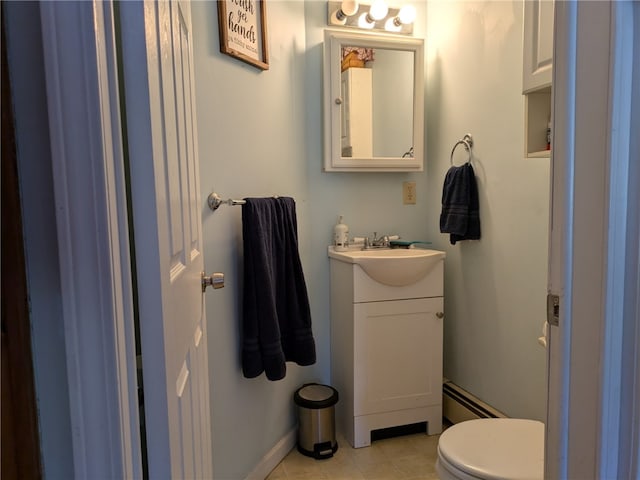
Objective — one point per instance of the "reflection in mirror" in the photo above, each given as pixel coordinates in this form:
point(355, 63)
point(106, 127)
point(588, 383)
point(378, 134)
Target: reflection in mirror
point(377, 109)
point(373, 102)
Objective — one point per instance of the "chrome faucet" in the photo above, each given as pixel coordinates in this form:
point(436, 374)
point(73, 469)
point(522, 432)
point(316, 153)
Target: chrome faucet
point(376, 242)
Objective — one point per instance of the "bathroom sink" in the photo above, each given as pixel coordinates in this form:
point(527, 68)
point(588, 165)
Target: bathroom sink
point(394, 266)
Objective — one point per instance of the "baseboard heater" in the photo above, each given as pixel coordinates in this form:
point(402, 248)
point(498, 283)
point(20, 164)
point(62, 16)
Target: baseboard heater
point(459, 405)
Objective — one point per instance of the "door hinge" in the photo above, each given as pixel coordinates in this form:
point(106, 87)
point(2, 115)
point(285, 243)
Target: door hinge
point(553, 309)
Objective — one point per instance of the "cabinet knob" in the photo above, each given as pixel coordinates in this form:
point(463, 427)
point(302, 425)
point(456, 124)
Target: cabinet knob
point(338, 101)
point(440, 314)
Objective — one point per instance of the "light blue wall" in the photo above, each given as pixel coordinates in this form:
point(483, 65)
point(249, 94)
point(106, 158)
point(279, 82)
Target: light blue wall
point(495, 289)
point(369, 201)
point(251, 143)
point(260, 133)
point(392, 102)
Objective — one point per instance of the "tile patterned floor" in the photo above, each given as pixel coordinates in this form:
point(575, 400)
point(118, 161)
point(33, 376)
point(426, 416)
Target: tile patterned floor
point(408, 457)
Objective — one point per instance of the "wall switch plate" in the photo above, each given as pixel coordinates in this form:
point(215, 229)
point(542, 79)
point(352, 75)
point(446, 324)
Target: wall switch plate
point(409, 193)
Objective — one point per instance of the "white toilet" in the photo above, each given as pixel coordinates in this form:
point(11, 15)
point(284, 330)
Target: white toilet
point(492, 449)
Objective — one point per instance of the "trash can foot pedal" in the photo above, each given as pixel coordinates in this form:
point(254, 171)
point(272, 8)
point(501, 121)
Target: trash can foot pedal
point(320, 450)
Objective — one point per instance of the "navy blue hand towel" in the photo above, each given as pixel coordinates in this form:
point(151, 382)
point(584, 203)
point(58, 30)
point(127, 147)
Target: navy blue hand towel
point(460, 215)
point(276, 313)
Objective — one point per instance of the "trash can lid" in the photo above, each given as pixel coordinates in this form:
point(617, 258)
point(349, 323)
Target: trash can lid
point(314, 395)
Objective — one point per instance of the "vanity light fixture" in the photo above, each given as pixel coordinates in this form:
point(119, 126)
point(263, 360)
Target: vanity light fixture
point(376, 16)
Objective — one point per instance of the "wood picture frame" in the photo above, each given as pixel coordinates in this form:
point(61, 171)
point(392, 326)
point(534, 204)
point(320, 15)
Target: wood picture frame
point(243, 31)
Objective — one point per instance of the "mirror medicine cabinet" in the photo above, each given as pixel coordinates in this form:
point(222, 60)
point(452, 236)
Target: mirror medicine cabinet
point(373, 102)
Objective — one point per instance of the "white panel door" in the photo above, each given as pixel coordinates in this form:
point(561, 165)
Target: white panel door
point(161, 130)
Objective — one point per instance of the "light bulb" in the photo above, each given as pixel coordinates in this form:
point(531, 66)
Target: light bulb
point(407, 14)
point(347, 8)
point(392, 26)
point(378, 10)
point(337, 19)
point(363, 21)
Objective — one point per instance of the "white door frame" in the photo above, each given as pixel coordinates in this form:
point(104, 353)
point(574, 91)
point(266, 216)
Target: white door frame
point(593, 406)
point(91, 219)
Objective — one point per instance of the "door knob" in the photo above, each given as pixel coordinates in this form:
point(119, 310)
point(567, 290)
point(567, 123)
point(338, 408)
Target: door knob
point(216, 281)
point(439, 314)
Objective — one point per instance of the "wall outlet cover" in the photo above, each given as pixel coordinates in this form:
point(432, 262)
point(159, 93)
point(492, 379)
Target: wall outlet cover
point(409, 193)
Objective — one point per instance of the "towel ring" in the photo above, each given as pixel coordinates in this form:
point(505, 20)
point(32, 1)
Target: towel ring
point(467, 141)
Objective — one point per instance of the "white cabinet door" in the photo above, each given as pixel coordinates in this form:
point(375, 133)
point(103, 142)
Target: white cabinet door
point(538, 44)
point(397, 355)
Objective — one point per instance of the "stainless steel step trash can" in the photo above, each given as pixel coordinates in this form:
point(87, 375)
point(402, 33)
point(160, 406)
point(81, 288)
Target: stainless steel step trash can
point(316, 420)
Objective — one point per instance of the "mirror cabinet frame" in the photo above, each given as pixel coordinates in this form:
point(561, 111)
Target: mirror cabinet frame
point(334, 40)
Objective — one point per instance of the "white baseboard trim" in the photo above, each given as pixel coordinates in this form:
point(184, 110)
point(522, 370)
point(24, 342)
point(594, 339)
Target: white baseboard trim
point(274, 456)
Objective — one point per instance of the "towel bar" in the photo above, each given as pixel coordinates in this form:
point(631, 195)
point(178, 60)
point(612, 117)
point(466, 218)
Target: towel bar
point(215, 201)
point(467, 141)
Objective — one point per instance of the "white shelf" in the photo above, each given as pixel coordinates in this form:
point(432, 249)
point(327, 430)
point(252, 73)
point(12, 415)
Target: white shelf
point(540, 154)
point(537, 115)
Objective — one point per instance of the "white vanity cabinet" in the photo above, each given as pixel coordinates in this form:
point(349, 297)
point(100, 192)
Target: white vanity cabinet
point(386, 351)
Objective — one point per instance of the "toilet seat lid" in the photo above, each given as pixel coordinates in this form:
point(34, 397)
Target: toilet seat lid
point(495, 448)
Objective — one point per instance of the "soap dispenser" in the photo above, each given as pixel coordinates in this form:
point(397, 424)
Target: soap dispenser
point(340, 236)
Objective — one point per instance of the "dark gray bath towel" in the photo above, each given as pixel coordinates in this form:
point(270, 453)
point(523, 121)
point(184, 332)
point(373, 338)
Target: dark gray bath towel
point(460, 215)
point(276, 315)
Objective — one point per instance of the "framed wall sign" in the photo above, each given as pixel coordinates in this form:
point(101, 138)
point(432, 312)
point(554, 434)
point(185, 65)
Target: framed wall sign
point(243, 31)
